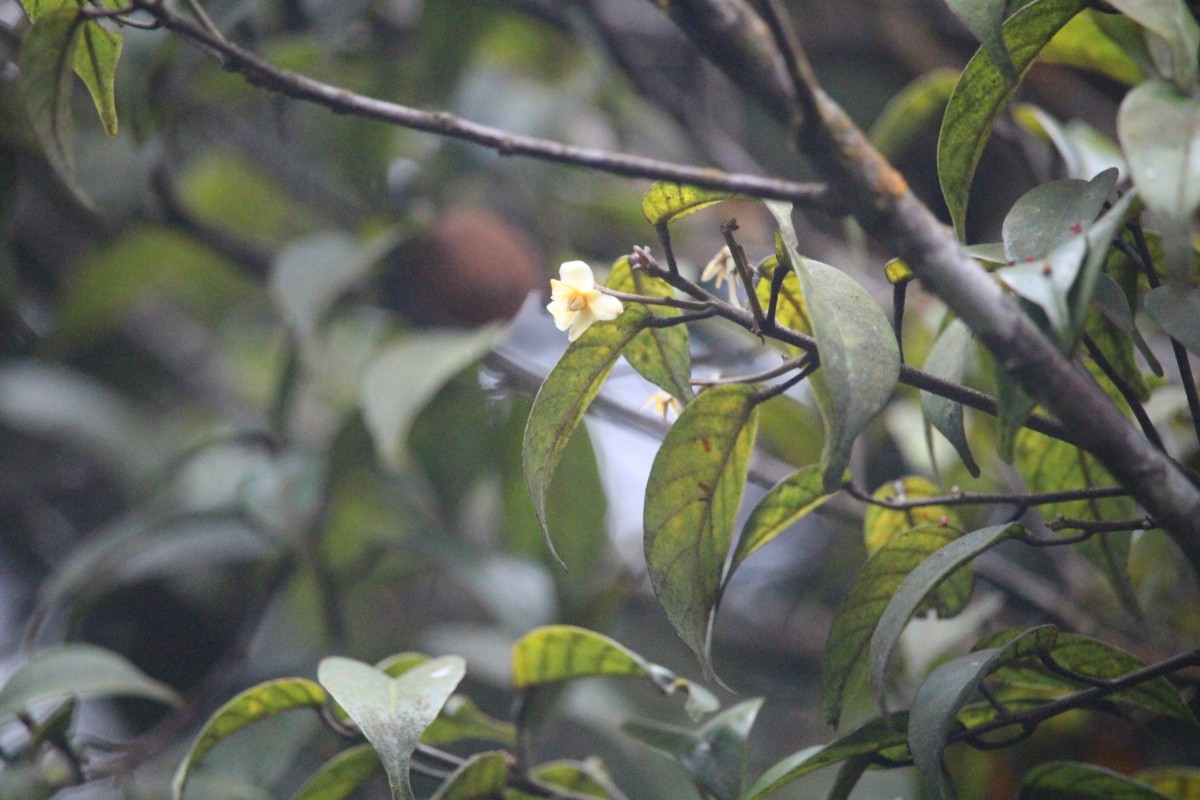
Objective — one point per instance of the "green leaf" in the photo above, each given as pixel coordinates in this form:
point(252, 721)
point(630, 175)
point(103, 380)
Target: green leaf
point(910, 110)
point(460, 719)
point(1180, 783)
point(917, 586)
point(789, 308)
point(1085, 151)
point(392, 713)
point(1069, 780)
point(340, 776)
point(660, 355)
point(47, 58)
point(564, 397)
point(714, 754)
point(934, 713)
point(481, 776)
point(881, 524)
point(1159, 131)
point(404, 377)
point(1177, 311)
point(1099, 242)
point(1051, 465)
point(1082, 43)
point(692, 499)
point(587, 778)
point(1173, 37)
point(984, 19)
point(790, 500)
point(947, 359)
point(1110, 300)
point(254, 704)
point(860, 361)
point(982, 93)
point(556, 653)
point(1045, 240)
point(310, 274)
point(80, 670)
point(96, 59)
point(869, 739)
point(667, 201)
point(1029, 680)
point(861, 608)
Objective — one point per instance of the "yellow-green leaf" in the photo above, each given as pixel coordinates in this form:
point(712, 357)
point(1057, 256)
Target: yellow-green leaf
point(564, 397)
point(692, 500)
point(667, 201)
point(340, 776)
point(1180, 783)
point(1069, 780)
point(880, 524)
point(556, 653)
point(791, 499)
point(96, 60)
point(482, 776)
point(982, 92)
point(47, 58)
point(864, 602)
point(256, 703)
point(1083, 44)
point(789, 307)
point(660, 355)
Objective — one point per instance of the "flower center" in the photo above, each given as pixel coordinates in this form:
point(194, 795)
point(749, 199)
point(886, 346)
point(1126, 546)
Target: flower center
point(577, 301)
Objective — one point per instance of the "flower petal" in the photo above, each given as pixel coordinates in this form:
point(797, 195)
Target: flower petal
point(562, 313)
point(605, 307)
point(577, 274)
point(582, 322)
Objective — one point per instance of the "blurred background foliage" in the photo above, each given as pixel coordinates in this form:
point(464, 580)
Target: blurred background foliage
point(245, 423)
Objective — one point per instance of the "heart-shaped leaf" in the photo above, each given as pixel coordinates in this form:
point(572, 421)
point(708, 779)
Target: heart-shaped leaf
point(692, 499)
point(392, 712)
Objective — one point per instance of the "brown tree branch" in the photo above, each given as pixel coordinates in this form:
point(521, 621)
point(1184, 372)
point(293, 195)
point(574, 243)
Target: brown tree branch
point(732, 36)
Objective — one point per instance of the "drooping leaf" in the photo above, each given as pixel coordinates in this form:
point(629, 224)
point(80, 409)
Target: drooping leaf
point(1159, 131)
point(860, 360)
point(479, 777)
point(1180, 783)
point(881, 524)
point(1110, 301)
point(47, 61)
point(588, 778)
point(1099, 243)
point(984, 19)
point(947, 359)
point(714, 755)
point(392, 713)
point(870, 739)
point(982, 93)
point(667, 201)
point(1051, 465)
point(861, 608)
point(1083, 44)
point(80, 670)
point(910, 110)
point(935, 707)
point(787, 502)
point(692, 499)
point(96, 59)
point(254, 704)
point(1173, 37)
point(660, 355)
point(564, 397)
point(556, 653)
point(1177, 311)
point(340, 776)
point(1085, 151)
point(1069, 780)
point(917, 587)
point(406, 376)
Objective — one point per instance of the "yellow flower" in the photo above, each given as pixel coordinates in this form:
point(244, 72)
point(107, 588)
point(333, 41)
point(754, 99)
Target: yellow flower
point(663, 402)
point(720, 270)
point(577, 303)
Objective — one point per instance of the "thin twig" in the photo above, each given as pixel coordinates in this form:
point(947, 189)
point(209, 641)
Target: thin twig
point(758, 377)
point(783, 386)
point(738, 253)
point(959, 498)
point(1127, 392)
point(669, 302)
